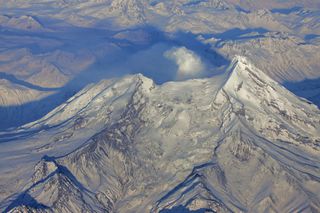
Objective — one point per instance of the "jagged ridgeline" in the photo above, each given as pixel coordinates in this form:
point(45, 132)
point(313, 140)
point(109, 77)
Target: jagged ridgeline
point(238, 142)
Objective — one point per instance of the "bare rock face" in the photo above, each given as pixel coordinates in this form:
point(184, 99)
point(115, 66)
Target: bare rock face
point(235, 142)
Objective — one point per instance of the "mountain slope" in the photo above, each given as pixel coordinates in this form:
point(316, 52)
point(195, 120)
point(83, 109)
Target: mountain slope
point(235, 142)
point(37, 42)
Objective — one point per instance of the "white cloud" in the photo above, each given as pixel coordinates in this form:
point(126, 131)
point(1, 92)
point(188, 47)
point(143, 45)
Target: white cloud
point(189, 64)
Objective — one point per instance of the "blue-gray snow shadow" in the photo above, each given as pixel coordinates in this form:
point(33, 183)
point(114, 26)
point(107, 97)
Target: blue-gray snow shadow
point(134, 57)
point(308, 89)
point(25, 199)
point(309, 37)
point(182, 209)
point(286, 11)
point(17, 81)
point(236, 34)
point(241, 9)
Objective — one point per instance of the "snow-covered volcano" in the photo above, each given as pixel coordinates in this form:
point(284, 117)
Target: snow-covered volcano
point(238, 142)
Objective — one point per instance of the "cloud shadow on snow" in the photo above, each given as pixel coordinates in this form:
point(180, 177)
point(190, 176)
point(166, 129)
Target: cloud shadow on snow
point(146, 57)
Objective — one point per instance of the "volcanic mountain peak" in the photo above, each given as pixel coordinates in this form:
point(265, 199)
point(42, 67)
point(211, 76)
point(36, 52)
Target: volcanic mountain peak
point(225, 143)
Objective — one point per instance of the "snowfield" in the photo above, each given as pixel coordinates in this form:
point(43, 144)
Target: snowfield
point(235, 142)
point(159, 106)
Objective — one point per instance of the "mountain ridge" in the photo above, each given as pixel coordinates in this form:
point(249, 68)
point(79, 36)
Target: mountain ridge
point(197, 144)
